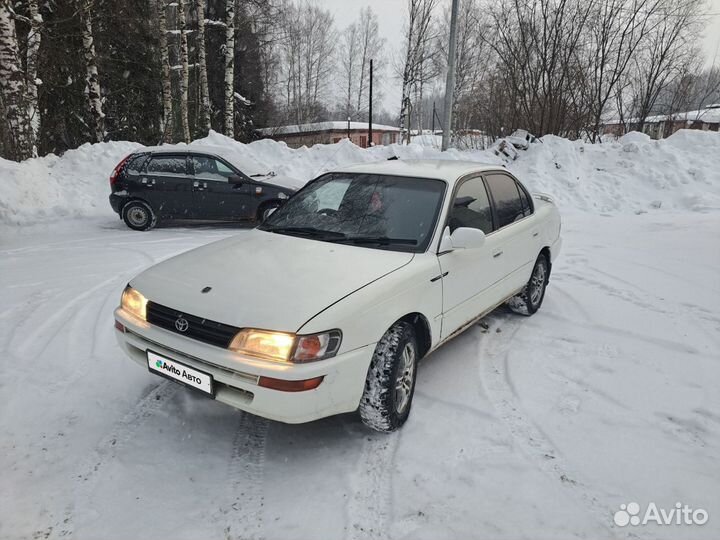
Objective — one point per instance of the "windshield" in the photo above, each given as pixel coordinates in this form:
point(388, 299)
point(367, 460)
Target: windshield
point(369, 210)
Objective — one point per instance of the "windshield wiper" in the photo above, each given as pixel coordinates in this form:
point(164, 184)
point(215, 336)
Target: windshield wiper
point(307, 231)
point(380, 240)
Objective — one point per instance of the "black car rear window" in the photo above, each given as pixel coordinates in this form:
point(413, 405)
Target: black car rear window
point(136, 163)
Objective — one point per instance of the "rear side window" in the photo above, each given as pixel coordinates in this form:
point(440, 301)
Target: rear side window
point(136, 164)
point(525, 200)
point(471, 207)
point(167, 165)
point(508, 205)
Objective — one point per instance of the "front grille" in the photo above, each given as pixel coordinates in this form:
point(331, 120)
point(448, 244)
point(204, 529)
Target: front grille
point(204, 330)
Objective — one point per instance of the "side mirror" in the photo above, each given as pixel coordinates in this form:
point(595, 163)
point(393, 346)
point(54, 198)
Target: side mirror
point(462, 238)
point(235, 179)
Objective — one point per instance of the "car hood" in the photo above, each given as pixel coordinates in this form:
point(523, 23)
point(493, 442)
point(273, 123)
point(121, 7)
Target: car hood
point(265, 280)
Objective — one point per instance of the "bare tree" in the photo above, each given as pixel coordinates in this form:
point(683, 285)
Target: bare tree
point(307, 60)
point(167, 118)
point(349, 68)
point(616, 29)
point(184, 71)
point(92, 79)
point(204, 108)
point(31, 74)
point(229, 68)
point(12, 88)
point(370, 47)
point(668, 47)
point(471, 63)
point(418, 57)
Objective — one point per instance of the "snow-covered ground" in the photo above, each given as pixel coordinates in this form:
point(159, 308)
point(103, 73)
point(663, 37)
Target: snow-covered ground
point(531, 428)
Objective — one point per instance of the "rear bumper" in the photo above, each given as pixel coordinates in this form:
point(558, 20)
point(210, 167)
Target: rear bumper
point(117, 202)
point(236, 377)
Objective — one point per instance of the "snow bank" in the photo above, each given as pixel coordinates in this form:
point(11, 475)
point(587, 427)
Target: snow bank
point(633, 174)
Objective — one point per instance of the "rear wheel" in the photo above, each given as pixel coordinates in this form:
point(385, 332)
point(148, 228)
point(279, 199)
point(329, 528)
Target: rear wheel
point(390, 383)
point(139, 216)
point(531, 297)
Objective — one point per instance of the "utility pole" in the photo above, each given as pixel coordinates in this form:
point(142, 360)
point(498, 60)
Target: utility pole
point(348, 127)
point(370, 131)
point(450, 81)
point(433, 120)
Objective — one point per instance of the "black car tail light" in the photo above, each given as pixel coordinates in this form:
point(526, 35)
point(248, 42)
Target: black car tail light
point(118, 169)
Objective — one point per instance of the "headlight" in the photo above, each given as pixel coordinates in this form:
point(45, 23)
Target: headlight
point(283, 347)
point(133, 302)
point(270, 345)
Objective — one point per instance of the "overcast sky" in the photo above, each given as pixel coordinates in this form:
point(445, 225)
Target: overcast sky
point(391, 14)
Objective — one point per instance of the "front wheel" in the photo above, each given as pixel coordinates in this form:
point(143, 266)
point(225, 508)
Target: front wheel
point(390, 383)
point(531, 297)
point(139, 216)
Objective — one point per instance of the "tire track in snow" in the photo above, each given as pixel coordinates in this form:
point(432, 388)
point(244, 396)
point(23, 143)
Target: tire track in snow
point(493, 352)
point(85, 480)
point(243, 513)
point(369, 508)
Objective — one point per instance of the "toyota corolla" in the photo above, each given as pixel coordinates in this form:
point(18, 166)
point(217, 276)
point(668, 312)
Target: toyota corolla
point(328, 306)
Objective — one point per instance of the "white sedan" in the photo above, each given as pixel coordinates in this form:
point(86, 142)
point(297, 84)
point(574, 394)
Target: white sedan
point(329, 305)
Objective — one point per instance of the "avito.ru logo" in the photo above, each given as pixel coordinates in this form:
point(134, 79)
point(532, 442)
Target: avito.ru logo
point(629, 514)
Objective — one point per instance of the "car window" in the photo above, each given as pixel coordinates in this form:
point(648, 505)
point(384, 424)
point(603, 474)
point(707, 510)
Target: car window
point(527, 206)
point(330, 195)
point(136, 164)
point(379, 211)
point(167, 165)
point(208, 168)
point(471, 207)
point(508, 206)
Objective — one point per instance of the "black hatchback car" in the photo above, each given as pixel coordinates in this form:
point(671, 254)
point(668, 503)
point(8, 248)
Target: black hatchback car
point(169, 184)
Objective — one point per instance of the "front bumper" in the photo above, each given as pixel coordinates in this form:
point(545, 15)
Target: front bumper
point(236, 376)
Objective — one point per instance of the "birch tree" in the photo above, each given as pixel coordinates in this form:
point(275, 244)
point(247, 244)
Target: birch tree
point(12, 87)
point(167, 123)
point(184, 71)
point(204, 108)
point(92, 79)
point(31, 75)
point(229, 68)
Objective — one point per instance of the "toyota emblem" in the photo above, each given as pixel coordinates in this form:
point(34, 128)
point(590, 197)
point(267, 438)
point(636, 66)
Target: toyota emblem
point(181, 324)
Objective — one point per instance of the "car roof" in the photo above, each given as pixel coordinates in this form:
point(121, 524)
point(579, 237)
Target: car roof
point(442, 169)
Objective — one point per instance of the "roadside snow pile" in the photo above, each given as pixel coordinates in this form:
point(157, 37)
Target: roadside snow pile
point(633, 174)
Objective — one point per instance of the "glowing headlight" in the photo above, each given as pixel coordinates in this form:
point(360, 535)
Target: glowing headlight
point(283, 347)
point(133, 302)
point(270, 345)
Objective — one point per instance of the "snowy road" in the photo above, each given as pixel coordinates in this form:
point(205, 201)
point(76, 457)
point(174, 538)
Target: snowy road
point(530, 428)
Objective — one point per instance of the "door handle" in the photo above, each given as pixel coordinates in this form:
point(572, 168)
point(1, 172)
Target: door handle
point(199, 186)
point(497, 254)
point(535, 233)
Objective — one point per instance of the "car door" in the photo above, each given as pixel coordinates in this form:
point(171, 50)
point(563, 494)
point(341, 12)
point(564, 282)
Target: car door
point(168, 186)
point(215, 196)
point(515, 229)
point(470, 276)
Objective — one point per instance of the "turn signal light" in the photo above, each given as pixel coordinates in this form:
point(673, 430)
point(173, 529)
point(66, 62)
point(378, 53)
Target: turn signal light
point(290, 386)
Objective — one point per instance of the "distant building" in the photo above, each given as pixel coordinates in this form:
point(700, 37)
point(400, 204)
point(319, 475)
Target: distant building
point(331, 132)
point(664, 125)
